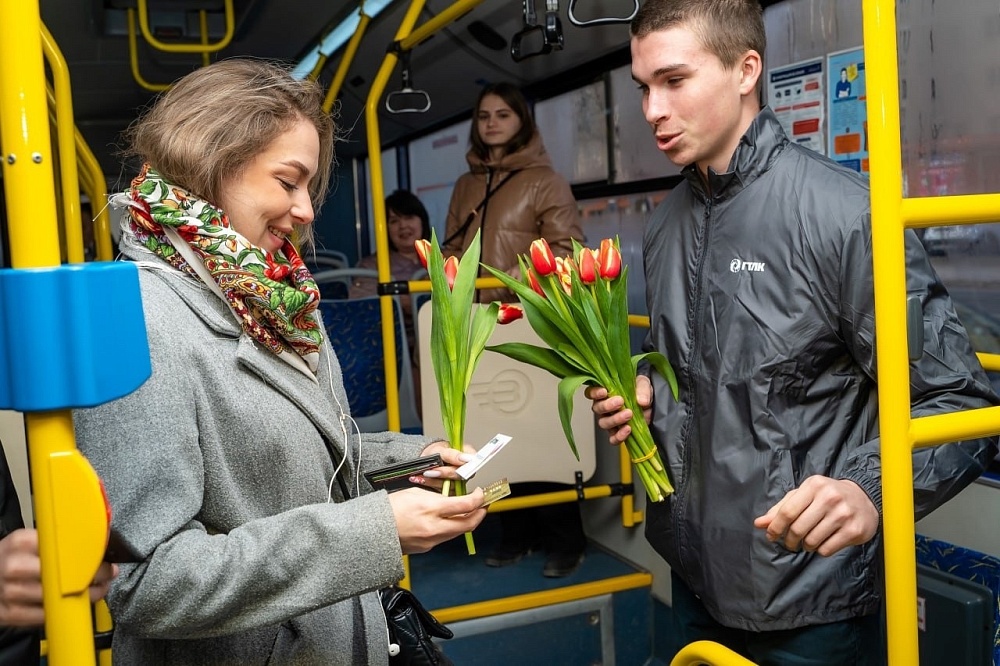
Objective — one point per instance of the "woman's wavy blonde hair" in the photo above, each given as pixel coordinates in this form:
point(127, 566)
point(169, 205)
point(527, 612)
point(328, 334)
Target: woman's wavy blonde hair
point(211, 123)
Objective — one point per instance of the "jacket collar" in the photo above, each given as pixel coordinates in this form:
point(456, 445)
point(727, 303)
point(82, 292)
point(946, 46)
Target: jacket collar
point(531, 155)
point(759, 146)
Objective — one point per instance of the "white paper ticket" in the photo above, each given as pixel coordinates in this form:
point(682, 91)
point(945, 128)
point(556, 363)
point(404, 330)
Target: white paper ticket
point(490, 449)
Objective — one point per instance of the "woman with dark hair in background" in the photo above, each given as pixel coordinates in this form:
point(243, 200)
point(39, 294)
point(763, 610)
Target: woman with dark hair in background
point(513, 196)
point(407, 221)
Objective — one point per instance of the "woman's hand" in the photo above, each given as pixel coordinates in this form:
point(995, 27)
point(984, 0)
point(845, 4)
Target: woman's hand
point(425, 519)
point(612, 414)
point(434, 478)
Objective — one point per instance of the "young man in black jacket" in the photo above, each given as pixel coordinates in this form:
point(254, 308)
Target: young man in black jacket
point(760, 292)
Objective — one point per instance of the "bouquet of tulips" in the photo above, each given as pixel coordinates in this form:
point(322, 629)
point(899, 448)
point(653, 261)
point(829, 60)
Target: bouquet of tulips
point(458, 335)
point(578, 307)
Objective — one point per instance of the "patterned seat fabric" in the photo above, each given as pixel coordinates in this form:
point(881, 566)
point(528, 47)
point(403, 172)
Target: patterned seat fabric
point(354, 327)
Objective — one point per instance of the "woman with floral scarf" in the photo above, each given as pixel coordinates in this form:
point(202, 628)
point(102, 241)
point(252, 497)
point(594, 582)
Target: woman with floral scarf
point(234, 472)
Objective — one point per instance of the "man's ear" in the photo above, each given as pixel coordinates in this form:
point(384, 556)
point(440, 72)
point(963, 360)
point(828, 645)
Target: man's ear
point(751, 68)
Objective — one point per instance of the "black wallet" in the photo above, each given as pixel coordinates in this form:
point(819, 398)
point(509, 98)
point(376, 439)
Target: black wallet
point(397, 476)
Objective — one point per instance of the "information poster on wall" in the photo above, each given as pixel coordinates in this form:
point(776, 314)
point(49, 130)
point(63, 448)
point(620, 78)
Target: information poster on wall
point(848, 121)
point(796, 94)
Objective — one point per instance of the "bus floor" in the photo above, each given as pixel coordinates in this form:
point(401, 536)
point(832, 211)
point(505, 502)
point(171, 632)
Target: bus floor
point(603, 613)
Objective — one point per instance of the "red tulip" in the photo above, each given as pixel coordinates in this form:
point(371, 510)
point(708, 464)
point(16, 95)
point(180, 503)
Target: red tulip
point(609, 260)
point(542, 258)
point(588, 266)
point(509, 313)
point(423, 248)
point(451, 270)
point(533, 283)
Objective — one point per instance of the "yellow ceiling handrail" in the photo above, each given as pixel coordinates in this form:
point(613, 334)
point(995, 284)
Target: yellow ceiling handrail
point(203, 31)
point(345, 62)
point(204, 48)
point(318, 67)
point(66, 143)
point(133, 56)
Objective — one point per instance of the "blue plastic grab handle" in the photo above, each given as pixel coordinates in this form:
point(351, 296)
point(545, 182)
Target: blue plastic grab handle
point(70, 336)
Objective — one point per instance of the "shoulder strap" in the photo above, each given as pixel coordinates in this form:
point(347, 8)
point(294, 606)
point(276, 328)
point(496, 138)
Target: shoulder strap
point(482, 204)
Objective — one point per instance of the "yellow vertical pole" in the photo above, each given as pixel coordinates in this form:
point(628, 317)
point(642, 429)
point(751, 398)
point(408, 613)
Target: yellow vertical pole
point(378, 210)
point(890, 314)
point(34, 242)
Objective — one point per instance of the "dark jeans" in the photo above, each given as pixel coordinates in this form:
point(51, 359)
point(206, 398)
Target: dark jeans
point(557, 528)
point(855, 642)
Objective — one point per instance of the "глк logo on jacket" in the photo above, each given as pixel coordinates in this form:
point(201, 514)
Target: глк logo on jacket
point(737, 265)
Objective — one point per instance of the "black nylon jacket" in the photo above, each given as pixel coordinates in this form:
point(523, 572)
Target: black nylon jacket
point(761, 296)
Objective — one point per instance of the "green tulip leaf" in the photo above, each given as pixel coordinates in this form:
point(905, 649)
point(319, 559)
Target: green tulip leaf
point(540, 357)
point(662, 366)
point(567, 391)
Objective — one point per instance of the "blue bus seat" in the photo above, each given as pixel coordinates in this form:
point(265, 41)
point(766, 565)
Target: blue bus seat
point(354, 328)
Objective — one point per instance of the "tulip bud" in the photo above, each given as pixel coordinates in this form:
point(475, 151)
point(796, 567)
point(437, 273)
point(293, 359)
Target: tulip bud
point(588, 266)
point(509, 313)
point(564, 270)
point(533, 283)
point(451, 270)
point(609, 260)
point(423, 248)
point(542, 258)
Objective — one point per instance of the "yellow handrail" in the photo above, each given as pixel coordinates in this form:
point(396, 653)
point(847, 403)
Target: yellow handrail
point(899, 433)
point(93, 184)
point(318, 67)
point(133, 56)
point(187, 48)
point(66, 142)
point(403, 36)
point(345, 62)
point(97, 190)
point(62, 482)
point(708, 652)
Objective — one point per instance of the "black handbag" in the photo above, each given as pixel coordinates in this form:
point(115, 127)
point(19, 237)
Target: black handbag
point(411, 628)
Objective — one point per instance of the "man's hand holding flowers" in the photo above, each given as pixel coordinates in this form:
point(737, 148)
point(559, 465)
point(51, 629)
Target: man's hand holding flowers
point(579, 308)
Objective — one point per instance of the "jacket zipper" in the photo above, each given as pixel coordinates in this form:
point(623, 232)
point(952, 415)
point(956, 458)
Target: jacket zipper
point(679, 510)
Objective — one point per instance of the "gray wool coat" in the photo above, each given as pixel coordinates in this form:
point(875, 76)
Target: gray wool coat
point(218, 475)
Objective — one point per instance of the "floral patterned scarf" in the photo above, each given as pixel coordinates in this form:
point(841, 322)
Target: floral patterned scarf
point(273, 295)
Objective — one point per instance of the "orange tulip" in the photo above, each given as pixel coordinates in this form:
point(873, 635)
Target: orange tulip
point(451, 270)
point(542, 258)
point(423, 248)
point(509, 313)
point(609, 260)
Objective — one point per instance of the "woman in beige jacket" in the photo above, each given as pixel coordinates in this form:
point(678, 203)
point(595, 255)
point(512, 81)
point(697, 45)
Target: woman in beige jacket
point(511, 192)
point(514, 196)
